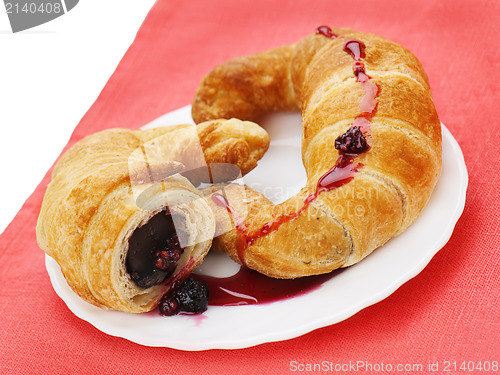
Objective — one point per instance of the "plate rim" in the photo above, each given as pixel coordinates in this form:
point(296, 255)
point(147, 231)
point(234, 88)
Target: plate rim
point(303, 328)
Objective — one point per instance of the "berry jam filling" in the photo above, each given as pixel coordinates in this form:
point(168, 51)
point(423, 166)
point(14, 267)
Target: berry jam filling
point(353, 141)
point(190, 296)
point(154, 250)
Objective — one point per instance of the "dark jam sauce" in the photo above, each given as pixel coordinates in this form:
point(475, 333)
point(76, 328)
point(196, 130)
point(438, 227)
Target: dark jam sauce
point(153, 251)
point(356, 49)
point(326, 31)
point(221, 201)
point(342, 173)
point(248, 287)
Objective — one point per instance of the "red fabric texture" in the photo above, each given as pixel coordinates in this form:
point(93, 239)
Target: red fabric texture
point(449, 312)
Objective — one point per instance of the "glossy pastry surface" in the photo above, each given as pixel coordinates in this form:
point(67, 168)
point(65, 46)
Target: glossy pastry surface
point(371, 147)
point(122, 222)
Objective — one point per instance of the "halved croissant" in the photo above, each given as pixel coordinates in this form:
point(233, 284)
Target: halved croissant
point(120, 190)
point(369, 95)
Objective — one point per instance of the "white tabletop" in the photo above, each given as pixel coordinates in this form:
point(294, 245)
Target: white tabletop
point(50, 75)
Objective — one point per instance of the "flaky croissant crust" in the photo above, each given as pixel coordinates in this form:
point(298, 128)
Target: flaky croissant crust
point(399, 171)
point(112, 182)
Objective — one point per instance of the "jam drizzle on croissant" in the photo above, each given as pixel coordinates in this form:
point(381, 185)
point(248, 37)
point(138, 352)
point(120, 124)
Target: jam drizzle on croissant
point(345, 167)
point(326, 31)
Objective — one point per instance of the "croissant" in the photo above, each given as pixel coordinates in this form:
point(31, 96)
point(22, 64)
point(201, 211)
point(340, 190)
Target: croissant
point(371, 148)
point(117, 198)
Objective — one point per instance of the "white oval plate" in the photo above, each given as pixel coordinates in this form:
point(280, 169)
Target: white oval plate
point(361, 285)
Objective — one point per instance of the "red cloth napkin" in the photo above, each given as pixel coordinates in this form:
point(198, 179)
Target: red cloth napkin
point(449, 312)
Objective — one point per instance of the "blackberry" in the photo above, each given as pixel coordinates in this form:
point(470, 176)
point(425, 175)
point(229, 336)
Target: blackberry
point(166, 260)
point(352, 141)
point(190, 296)
point(193, 296)
point(169, 307)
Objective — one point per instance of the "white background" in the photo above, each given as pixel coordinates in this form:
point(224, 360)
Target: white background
point(49, 77)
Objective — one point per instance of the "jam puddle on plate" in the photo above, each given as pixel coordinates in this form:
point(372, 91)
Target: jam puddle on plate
point(247, 287)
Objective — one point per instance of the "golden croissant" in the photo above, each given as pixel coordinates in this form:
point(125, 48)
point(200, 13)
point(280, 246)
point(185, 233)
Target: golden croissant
point(117, 199)
point(371, 147)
